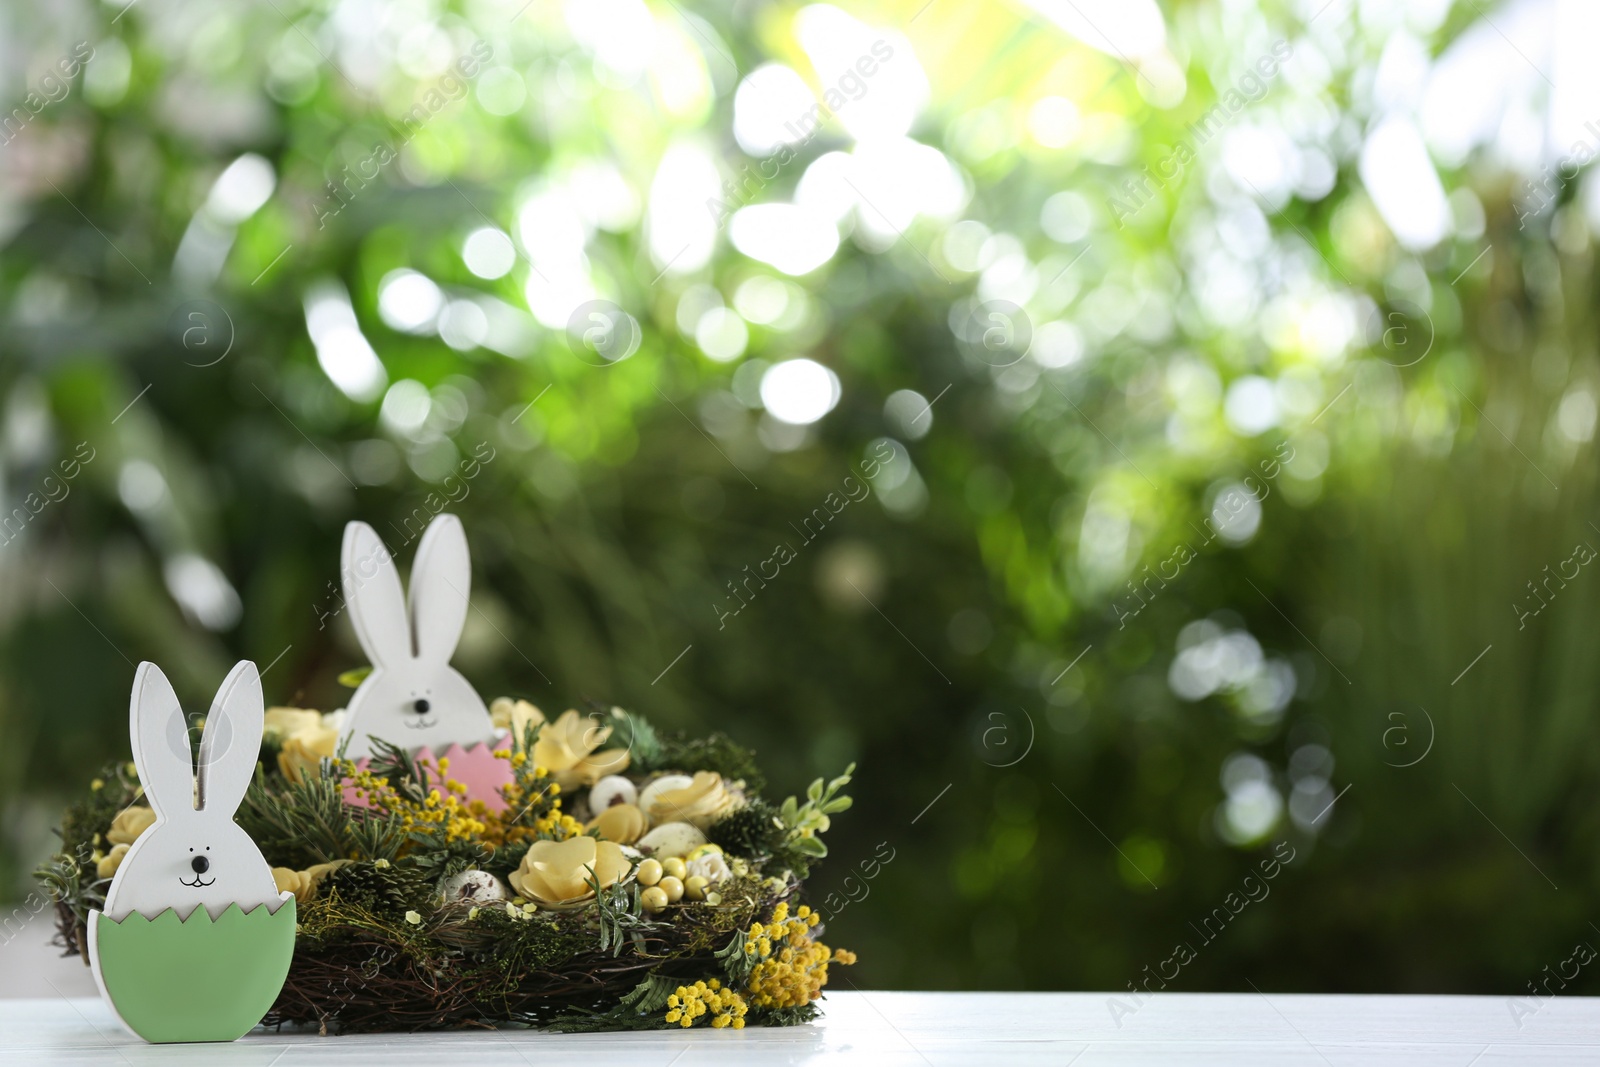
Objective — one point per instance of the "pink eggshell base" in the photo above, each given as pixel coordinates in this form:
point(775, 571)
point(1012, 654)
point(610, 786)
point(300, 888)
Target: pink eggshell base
point(476, 767)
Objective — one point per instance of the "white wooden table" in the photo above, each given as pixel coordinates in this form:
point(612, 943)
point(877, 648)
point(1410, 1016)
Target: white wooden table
point(915, 1030)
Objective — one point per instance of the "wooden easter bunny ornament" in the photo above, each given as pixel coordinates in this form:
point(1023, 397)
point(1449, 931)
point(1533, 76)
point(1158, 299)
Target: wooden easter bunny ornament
point(195, 939)
point(413, 698)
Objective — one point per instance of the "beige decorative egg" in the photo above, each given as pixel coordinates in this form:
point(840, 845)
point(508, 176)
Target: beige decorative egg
point(671, 839)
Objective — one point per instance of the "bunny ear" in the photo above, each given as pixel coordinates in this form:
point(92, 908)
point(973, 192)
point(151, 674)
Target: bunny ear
point(441, 579)
point(372, 592)
point(232, 739)
point(160, 738)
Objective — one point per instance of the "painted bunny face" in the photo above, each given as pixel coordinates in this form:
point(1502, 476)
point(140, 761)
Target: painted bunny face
point(194, 853)
point(413, 697)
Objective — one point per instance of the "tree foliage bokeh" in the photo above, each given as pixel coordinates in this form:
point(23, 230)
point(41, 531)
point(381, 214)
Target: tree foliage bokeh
point(1222, 546)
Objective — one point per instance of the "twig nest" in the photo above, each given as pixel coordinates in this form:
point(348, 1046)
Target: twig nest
point(673, 839)
point(558, 874)
point(699, 801)
point(473, 887)
point(610, 790)
point(622, 823)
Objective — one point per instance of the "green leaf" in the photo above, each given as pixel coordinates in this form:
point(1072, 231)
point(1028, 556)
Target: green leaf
point(810, 846)
point(814, 793)
point(353, 678)
point(836, 805)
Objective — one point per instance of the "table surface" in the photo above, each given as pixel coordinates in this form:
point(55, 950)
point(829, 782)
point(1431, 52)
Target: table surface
point(919, 1030)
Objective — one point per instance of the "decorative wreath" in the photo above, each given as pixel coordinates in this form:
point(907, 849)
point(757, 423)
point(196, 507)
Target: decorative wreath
point(615, 879)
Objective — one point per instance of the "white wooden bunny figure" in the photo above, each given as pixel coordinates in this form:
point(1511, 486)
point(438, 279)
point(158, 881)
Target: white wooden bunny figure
point(413, 697)
point(195, 939)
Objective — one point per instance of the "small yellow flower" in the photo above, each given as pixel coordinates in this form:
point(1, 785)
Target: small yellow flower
point(724, 1007)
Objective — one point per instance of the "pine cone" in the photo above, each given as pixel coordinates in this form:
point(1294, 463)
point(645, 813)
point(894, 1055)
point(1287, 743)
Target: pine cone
point(752, 831)
point(387, 888)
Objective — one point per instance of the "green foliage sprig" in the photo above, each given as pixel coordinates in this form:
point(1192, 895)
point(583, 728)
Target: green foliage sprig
point(631, 732)
point(305, 822)
point(804, 823)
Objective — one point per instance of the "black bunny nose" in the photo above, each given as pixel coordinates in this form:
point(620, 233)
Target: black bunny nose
point(421, 707)
point(200, 864)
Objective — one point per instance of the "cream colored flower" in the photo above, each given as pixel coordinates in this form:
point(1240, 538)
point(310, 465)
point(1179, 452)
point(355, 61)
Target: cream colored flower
point(622, 823)
point(557, 874)
point(598, 765)
point(304, 884)
point(515, 715)
point(286, 722)
point(111, 861)
point(302, 752)
point(566, 748)
point(709, 865)
point(700, 803)
point(129, 824)
point(289, 880)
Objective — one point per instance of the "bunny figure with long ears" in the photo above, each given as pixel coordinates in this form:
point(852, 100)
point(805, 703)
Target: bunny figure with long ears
point(195, 939)
point(413, 698)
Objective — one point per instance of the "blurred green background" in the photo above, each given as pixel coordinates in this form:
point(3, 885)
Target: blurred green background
point(1229, 370)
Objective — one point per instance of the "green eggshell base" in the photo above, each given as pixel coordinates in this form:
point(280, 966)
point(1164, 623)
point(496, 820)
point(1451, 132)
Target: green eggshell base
point(197, 979)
